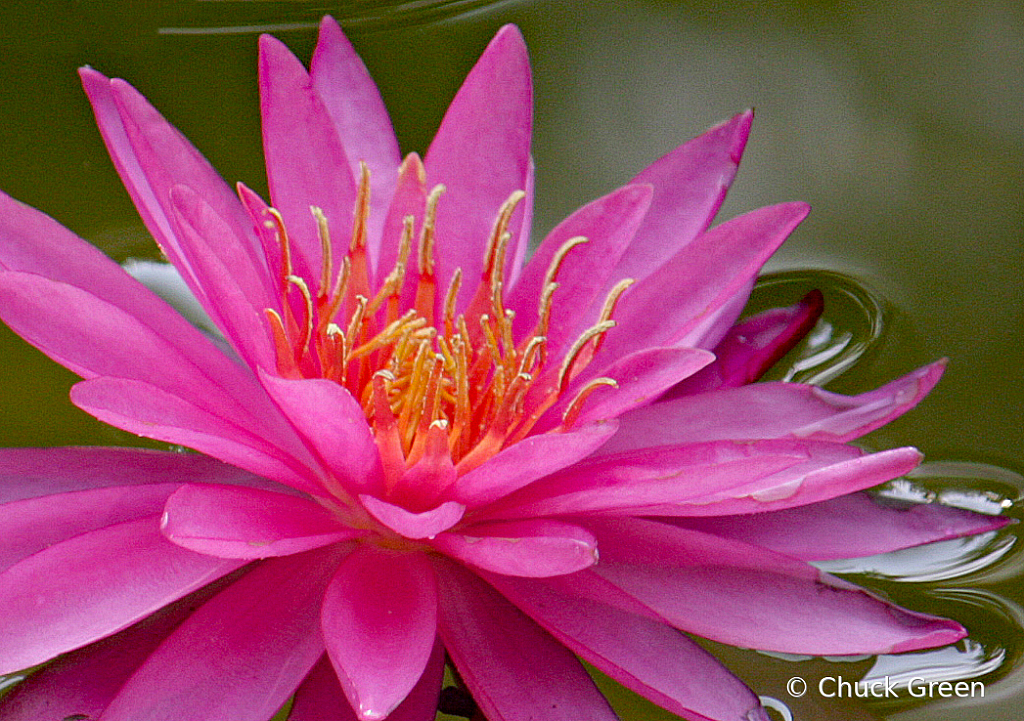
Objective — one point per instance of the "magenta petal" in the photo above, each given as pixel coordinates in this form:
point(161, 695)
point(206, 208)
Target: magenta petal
point(634, 482)
point(85, 681)
point(750, 348)
point(772, 410)
point(666, 306)
point(641, 377)
point(747, 596)
point(360, 119)
point(530, 459)
point(689, 186)
point(306, 164)
point(153, 413)
point(535, 547)
point(335, 425)
point(35, 472)
point(414, 525)
point(609, 224)
point(379, 624)
point(242, 654)
point(235, 294)
point(91, 586)
point(34, 524)
point(643, 654)
point(481, 154)
point(514, 669)
point(235, 522)
point(857, 524)
point(320, 697)
point(151, 156)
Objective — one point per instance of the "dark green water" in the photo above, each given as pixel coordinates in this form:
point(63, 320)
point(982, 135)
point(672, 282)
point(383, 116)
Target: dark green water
point(900, 123)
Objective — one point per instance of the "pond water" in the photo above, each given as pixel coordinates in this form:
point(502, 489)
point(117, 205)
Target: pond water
point(900, 123)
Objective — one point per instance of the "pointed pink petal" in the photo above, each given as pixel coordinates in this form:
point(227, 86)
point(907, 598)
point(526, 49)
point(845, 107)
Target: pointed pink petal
point(230, 305)
point(334, 424)
point(772, 410)
point(151, 156)
point(854, 525)
point(671, 476)
point(643, 654)
point(35, 472)
point(34, 524)
point(833, 470)
point(514, 669)
point(154, 413)
point(530, 459)
point(666, 306)
point(689, 186)
point(414, 525)
point(642, 377)
point(306, 164)
point(533, 547)
point(360, 119)
point(380, 623)
point(750, 348)
point(481, 154)
point(609, 224)
point(242, 654)
point(409, 199)
point(87, 334)
point(747, 596)
point(235, 522)
point(93, 585)
point(320, 697)
point(85, 681)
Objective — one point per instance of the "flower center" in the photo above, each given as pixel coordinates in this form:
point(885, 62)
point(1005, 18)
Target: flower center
point(438, 387)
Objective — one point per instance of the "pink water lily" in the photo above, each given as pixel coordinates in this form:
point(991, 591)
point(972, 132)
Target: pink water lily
point(417, 448)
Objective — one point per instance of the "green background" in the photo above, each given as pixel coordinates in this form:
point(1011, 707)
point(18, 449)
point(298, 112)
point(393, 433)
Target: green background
point(899, 122)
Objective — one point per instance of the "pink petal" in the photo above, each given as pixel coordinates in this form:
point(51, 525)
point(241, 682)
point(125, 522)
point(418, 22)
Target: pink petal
point(514, 669)
point(689, 186)
point(641, 653)
point(235, 522)
point(91, 586)
point(379, 624)
point(750, 348)
point(154, 413)
point(320, 697)
point(833, 470)
point(747, 596)
point(306, 164)
point(151, 156)
point(481, 154)
point(35, 472)
point(34, 524)
point(360, 119)
point(409, 199)
point(85, 681)
point(772, 410)
point(854, 525)
point(609, 224)
point(242, 654)
point(222, 278)
point(637, 481)
point(334, 424)
point(414, 525)
point(535, 547)
point(642, 377)
point(666, 306)
point(530, 459)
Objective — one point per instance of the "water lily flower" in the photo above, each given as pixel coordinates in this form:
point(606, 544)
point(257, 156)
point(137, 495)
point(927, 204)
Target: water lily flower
point(415, 447)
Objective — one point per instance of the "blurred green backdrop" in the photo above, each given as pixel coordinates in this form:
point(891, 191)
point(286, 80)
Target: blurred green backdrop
point(901, 123)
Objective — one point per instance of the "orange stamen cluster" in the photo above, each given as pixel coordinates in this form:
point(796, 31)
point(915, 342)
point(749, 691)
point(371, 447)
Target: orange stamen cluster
point(459, 386)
